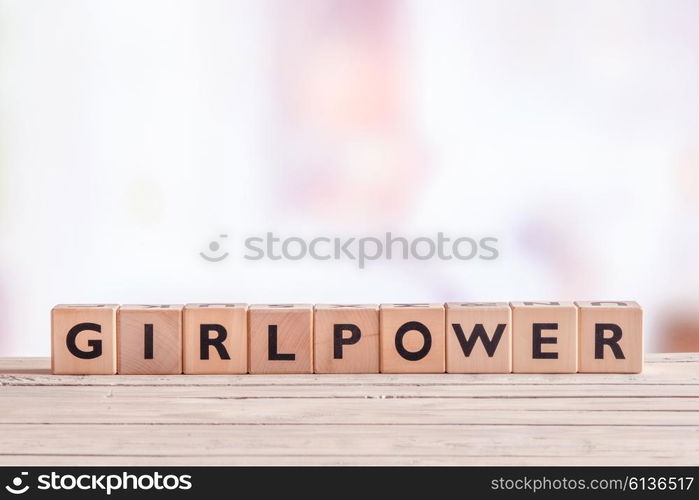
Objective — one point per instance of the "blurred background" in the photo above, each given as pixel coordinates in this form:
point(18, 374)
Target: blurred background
point(134, 133)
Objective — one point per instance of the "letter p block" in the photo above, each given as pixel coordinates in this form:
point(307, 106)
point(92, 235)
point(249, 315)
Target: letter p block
point(83, 339)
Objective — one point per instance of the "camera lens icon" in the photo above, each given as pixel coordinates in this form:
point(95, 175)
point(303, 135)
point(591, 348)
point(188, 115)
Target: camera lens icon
point(16, 487)
point(215, 249)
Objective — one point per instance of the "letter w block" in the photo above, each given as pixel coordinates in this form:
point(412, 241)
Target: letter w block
point(479, 338)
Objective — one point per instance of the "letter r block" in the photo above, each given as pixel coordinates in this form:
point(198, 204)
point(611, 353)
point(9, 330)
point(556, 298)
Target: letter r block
point(610, 337)
point(544, 337)
point(412, 338)
point(215, 338)
point(83, 339)
point(479, 337)
point(281, 338)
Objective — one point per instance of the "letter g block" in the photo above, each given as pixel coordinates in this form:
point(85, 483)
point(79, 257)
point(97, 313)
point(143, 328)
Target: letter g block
point(83, 339)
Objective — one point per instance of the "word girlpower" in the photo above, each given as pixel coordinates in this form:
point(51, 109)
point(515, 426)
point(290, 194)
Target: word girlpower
point(469, 337)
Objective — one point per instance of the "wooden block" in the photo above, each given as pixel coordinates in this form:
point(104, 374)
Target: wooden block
point(412, 338)
point(479, 337)
point(346, 338)
point(281, 338)
point(83, 339)
point(150, 339)
point(610, 337)
point(215, 338)
point(544, 337)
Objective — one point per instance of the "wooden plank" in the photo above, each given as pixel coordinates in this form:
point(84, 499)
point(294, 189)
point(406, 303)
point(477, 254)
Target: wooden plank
point(367, 391)
point(75, 409)
point(679, 368)
point(330, 443)
point(329, 460)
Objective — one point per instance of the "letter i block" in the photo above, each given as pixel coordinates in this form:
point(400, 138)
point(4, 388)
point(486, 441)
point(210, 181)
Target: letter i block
point(281, 338)
point(83, 339)
point(150, 339)
point(215, 338)
point(346, 338)
point(479, 337)
point(544, 337)
point(412, 338)
point(610, 337)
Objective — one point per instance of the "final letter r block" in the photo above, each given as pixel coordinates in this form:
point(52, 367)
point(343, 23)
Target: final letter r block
point(611, 337)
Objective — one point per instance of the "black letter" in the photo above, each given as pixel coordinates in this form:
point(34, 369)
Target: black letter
point(418, 327)
point(205, 341)
point(537, 340)
point(95, 344)
point(338, 341)
point(612, 342)
point(272, 353)
point(479, 332)
point(148, 341)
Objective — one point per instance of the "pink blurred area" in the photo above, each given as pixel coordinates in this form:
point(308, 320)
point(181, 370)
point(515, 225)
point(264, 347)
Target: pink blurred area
point(342, 116)
point(133, 132)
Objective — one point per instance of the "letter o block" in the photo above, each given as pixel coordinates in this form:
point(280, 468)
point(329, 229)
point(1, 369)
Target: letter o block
point(544, 337)
point(610, 337)
point(83, 339)
point(412, 338)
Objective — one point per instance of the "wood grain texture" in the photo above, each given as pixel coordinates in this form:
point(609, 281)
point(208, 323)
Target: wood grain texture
point(291, 327)
point(505, 419)
point(96, 339)
point(233, 319)
point(419, 330)
point(467, 319)
point(358, 354)
point(624, 316)
point(551, 328)
point(163, 324)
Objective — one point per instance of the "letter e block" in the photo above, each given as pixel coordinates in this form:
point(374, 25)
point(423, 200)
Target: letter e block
point(610, 337)
point(412, 338)
point(346, 338)
point(150, 339)
point(281, 338)
point(479, 337)
point(544, 337)
point(215, 338)
point(83, 339)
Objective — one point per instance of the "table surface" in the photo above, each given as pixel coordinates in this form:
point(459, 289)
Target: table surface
point(596, 419)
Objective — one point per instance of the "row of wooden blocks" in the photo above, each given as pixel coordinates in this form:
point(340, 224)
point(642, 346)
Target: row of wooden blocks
point(469, 337)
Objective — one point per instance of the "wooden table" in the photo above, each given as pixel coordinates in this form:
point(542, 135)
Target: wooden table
point(646, 419)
